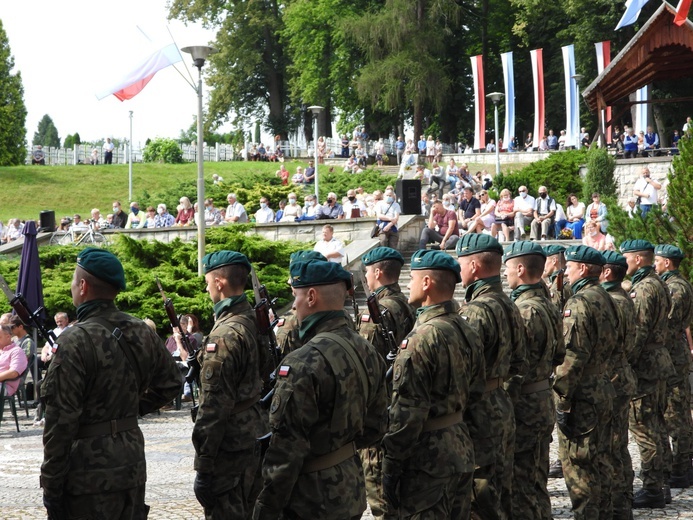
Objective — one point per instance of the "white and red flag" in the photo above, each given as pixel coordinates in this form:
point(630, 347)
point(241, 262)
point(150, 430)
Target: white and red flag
point(682, 12)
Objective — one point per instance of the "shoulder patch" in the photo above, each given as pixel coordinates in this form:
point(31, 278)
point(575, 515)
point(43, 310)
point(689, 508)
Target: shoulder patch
point(211, 347)
point(566, 313)
point(403, 345)
point(276, 402)
point(365, 318)
point(398, 372)
point(280, 322)
point(284, 370)
point(632, 294)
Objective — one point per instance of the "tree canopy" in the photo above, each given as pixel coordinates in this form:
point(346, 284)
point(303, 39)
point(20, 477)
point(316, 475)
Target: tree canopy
point(12, 108)
point(47, 133)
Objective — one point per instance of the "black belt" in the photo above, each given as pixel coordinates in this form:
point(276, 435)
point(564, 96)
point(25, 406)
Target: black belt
point(539, 386)
point(330, 459)
point(111, 427)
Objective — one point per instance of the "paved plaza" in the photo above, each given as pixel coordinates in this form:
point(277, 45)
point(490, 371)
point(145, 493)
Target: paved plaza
point(170, 474)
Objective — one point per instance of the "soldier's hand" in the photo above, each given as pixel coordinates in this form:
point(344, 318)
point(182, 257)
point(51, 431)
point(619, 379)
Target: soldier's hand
point(54, 508)
point(203, 489)
point(563, 420)
point(390, 489)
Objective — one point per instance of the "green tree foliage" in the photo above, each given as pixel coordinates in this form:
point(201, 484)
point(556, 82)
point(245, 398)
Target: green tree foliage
point(600, 174)
point(176, 266)
point(674, 225)
point(163, 151)
point(12, 108)
point(72, 140)
point(559, 172)
point(47, 133)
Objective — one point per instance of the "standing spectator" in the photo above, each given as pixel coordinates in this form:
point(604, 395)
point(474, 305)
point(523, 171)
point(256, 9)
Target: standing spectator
point(329, 246)
point(309, 174)
point(212, 215)
point(345, 146)
point(322, 149)
point(108, 148)
point(265, 214)
point(544, 211)
point(646, 190)
point(524, 211)
point(119, 216)
point(529, 143)
point(163, 218)
point(504, 215)
point(596, 212)
point(38, 157)
point(552, 141)
point(235, 212)
point(283, 174)
point(292, 210)
point(185, 216)
point(430, 149)
point(562, 140)
point(331, 209)
point(442, 227)
point(387, 211)
point(630, 144)
point(688, 125)
point(380, 152)
point(135, 220)
point(399, 149)
point(421, 147)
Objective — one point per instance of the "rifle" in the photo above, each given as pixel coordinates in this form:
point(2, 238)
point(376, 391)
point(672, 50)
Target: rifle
point(193, 374)
point(29, 318)
point(352, 295)
point(377, 317)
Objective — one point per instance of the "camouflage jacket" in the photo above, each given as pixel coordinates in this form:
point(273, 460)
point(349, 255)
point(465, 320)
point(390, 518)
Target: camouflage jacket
point(90, 381)
point(545, 348)
point(399, 319)
point(286, 332)
point(230, 358)
point(438, 371)
point(558, 296)
point(590, 324)
point(497, 321)
point(680, 317)
point(623, 377)
point(650, 358)
point(318, 407)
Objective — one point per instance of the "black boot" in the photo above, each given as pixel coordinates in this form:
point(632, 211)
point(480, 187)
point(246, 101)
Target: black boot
point(556, 470)
point(667, 493)
point(649, 498)
point(679, 481)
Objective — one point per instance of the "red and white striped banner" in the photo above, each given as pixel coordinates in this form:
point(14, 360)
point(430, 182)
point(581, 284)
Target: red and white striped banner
point(603, 61)
point(479, 103)
point(682, 12)
point(538, 74)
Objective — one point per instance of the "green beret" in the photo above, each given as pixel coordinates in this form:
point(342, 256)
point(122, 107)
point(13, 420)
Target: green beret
point(307, 254)
point(473, 243)
point(380, 254)
point(308, 273)
point(553, 249)
point(614, 258)
point(630, 246)
point(669, 251)
point(104, 265)
point(219, 259)
point(523, 248)
point(425, 259)
point(584, 255)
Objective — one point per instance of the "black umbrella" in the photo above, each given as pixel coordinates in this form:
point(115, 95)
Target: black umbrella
point(29, 285)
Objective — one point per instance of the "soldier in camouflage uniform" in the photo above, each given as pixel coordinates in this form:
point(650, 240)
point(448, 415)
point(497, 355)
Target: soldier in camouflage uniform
point(554, 269)
point(383, 267)
point(624, 382)
point(677, 415)
point(330, 400)
point(534, 406)
point(96, 386)
point(583, 410)
point(429, 457)
point(229, 418)
point(652, 364)
point(491, 419)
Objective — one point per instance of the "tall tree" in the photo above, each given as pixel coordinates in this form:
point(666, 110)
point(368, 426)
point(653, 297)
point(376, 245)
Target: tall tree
point(12, 108)
point(47, 133)
point(248, 74)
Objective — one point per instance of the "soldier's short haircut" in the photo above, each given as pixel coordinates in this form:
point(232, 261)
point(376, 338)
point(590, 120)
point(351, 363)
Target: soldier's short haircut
point(236, 275)
point(99, 289)
point(444, 280)
point(676, 262)
point(534, 265)
point(490, 260)
point(593, 270)
point(391, 268)
point(647, 256)
point(618, 271)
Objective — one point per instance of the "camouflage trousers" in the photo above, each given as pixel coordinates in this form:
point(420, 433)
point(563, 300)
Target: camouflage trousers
point(586, 461)
point(530, 497)
point(122, 505)
point(372, 460)
point(622, 483)
point(646, 423)
point(492, 497)
point(423, 497)
point(679, 426)
point(235, 492)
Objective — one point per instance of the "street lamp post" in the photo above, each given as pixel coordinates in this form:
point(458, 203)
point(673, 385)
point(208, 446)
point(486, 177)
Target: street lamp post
point(199, 54)
point(315, 109)
point(577, 78)
point(495, 97)
point(130, 161)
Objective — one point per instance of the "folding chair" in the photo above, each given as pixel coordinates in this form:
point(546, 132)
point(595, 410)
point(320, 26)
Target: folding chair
point(13, 406)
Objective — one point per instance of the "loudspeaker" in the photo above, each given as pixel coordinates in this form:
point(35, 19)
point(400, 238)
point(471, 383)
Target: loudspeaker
point(47, 221)
point(409, 196)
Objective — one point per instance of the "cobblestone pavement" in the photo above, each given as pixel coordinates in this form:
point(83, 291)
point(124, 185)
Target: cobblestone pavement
point(170, 474)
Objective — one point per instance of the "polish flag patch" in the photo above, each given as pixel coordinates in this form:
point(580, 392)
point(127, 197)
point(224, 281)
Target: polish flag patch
point(632, 295)
point(281, 322)
point(566, 313)
point(365, 318)
point(403, 346)
point(284, 370)
point(211, 347)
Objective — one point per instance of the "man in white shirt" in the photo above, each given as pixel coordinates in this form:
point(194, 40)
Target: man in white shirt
point(524, 211)
point(264, 215)
point(330, 247)
point(235, 212)
point(388, 211)
point(108, 148)
point(646, 189)
point(544, 212)
point(354, 208)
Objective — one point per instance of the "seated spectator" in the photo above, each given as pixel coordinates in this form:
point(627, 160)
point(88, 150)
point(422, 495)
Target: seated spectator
point(13, 361)
point(593, 237)
point(360, 194)
point(486, 180)
point(262, 152)
point(265, 215)
point(544, 212)
point(439, 151)
point(354, 208)
point(310, 204)
point(360, 155)
point(252, 153)
point(350, 164)
point(298, 177)
point(388, 212)
point(422, 174)
point(331, 209)
point(504, 214)
point(529, 143)
point(163, 218)
point(469, 211)
point(109, 221)
point(596, 212)
point(283, 174)
point(425, 205)
point(544, 145)
point(370, 206)
point(150, 218)
point(235, 212)
point(631, 207)
point(585, 140)
point(562, 140)
point(468, 179)
point(442, 227)
point(217, 179)
point(212, 215)
point(14, 229)
point(575, 216)
point(186, 214)
point(292, 210)
point(452, 174)
point(651, 146)
point(675, 143)
point(279, 153)
point(135, 218)
point(409, 157)
point(119, 216)
point(630, 144)
point(37, 156)
point(491, 146)
point(330, 247)
point(94, 157)
point(524, 211)
point(97, 220)
point(641, 142)
point(78, 225)
point(437, 179)
point(512, 145)
point(484, 222)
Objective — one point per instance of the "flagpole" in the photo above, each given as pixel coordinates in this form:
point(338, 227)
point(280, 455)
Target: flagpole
point(130, 161)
